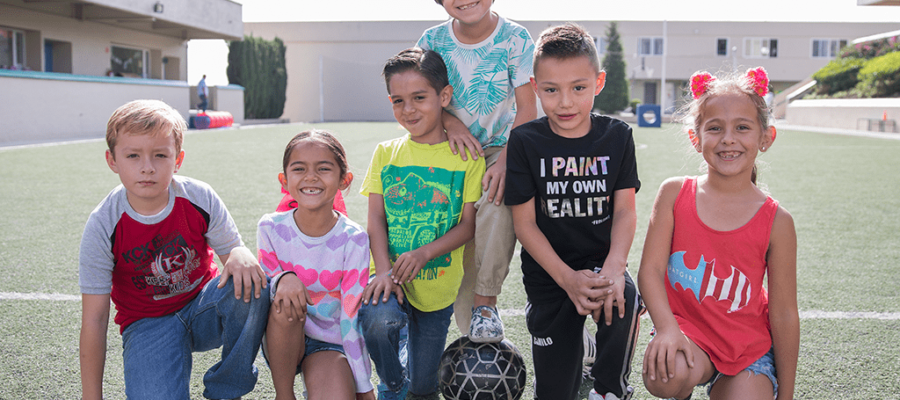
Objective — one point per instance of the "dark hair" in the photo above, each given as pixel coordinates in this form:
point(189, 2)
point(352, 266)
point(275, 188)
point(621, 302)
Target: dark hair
point(324, 138)
point(427, 63)
point(564, 42)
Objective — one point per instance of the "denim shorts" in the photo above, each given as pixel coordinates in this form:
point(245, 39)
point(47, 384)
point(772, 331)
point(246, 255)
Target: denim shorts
point(764, 366)
point(312, 346)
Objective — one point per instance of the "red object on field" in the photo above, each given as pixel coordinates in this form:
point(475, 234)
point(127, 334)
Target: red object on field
point(213, 119)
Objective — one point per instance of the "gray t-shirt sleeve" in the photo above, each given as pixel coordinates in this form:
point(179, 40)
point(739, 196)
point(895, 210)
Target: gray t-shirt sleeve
point(95, 258)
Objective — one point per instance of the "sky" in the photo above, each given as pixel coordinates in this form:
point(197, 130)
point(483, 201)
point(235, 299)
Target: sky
point(210, 56)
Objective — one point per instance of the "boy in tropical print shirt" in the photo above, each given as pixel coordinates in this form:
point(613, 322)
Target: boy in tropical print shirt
point(489, 63)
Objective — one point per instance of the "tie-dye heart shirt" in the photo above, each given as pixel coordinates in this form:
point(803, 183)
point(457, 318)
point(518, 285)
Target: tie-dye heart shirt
point(335, 269)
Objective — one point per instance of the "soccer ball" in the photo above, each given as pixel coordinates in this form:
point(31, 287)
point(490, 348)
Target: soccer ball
point(482, 371)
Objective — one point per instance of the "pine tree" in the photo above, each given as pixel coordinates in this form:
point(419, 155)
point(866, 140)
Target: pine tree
point(614, 96)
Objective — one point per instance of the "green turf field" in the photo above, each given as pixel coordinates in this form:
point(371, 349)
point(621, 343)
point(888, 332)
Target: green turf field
point(843, 192)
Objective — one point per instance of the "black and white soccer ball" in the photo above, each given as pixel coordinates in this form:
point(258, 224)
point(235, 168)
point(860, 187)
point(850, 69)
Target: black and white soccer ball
point(482, 371)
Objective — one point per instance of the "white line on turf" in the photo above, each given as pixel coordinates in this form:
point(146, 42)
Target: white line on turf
point(811, 314)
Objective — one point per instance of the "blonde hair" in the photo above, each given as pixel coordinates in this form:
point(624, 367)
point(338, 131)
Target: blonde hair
point(145, 117)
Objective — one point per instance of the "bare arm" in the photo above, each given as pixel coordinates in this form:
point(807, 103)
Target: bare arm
point(408, 264)
point(92, 343)
point(494, 180)
point(624, 223)
point(659, 358)
point(382, 284)
point(783, 314)
point(582, 286)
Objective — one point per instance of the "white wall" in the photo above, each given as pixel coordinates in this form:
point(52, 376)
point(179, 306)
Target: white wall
point(334, 67)
point(43, 107)
point(842, 113)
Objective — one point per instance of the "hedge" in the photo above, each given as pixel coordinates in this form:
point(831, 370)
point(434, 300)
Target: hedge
point(259, 66)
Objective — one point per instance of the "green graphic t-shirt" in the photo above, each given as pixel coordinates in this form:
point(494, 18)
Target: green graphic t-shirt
point(424, 189)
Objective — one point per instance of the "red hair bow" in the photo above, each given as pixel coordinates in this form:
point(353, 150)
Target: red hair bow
point(700, 83)
point(759, 80)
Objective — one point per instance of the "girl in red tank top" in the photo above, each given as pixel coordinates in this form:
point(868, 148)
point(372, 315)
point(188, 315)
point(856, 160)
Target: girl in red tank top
point(712, 242)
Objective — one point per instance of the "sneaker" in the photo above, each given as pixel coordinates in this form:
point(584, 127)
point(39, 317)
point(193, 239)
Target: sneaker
point(590, 347)
point(485, 329)
point(609, 396)
point(386, 394)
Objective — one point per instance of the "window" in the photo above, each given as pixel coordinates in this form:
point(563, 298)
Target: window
point(12, 49)
point(721, 47)
point(601, 44)
point(650, 46)
point(760, 48)
point(124, 61)
point(827, 48)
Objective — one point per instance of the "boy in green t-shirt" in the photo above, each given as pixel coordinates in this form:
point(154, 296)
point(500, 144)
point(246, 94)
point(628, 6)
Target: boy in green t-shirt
point(421, 213)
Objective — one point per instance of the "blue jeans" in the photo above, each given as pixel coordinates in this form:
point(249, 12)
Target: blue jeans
point(381, 324)
point(157, 351)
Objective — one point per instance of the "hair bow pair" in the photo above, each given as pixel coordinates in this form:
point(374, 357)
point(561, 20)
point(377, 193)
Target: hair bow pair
point(757, 77)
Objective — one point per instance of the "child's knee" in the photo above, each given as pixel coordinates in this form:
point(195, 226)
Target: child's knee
point(380, 320)
point(283, 320)
point(678, 387)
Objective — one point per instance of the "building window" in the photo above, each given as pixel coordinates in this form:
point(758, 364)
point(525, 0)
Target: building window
point(760, 48)
point(650, 46)
point(601, 44)
point(124, 61)
point(827, 48)
point(722, 47)
point(12, 49)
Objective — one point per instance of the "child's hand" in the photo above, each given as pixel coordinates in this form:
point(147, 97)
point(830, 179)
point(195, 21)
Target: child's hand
point(616, 298)
point(659, 359)
point(586, 289)
point(408, 265)
point(291, 297)
point(381, 287)
point(460, 138)
point(494, 180)
point(243, 267)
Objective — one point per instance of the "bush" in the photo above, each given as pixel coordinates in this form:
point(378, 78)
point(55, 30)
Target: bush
point(838, 75)
point(881, 74)
point(634, 103)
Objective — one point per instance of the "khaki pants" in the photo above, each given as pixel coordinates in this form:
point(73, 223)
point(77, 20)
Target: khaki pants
point(485, 264)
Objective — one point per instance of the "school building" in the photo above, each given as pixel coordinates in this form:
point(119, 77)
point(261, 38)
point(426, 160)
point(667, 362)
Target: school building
point(66, 65)
point(334, 67)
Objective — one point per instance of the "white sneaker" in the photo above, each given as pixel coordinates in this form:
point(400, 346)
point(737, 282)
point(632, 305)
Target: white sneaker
point(590, 347)
point(596, 396)
point(485, 329)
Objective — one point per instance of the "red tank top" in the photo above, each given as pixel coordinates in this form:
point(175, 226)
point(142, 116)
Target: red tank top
point(715, 281)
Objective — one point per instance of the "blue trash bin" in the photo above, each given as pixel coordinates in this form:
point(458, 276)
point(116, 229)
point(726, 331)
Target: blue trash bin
point(649, 115)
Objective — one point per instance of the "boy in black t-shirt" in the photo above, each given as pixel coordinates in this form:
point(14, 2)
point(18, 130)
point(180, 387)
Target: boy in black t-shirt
point(571, 181)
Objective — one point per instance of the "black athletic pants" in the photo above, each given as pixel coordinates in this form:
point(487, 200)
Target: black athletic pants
point(557, 351)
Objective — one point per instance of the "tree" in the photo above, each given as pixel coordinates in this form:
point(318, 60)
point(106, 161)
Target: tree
point(259, 66)
point(614, 96)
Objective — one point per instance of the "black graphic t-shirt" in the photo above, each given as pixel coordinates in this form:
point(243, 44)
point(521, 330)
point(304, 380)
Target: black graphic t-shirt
point(572, 182)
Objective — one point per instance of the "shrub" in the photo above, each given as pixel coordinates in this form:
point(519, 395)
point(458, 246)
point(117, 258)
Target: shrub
point(838, 75)
point(634, 103)
point(881, 74)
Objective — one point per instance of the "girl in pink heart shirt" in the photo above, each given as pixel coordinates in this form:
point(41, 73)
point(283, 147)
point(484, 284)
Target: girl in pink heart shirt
point(318, 260)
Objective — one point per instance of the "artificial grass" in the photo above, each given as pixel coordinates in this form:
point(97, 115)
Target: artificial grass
point(843, 193)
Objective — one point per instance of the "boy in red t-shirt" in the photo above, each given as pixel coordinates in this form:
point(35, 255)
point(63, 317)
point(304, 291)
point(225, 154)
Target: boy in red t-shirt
point(149, 247)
